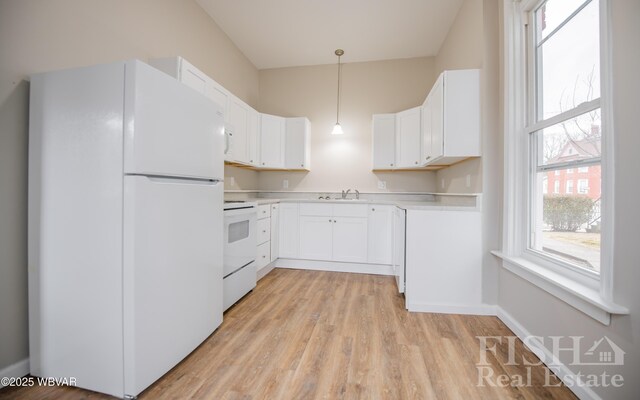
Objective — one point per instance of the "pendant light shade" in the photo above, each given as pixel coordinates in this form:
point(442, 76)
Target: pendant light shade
point(337, 129)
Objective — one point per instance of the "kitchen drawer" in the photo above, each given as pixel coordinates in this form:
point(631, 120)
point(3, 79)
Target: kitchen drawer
point(263, 227)
point(264, 255)
point(264, 211)
point(316, 209)
point(350, 210)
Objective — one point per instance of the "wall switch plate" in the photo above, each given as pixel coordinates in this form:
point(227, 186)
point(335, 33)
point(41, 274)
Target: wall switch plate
point(442, 184)
point(285, 183)
point(468, 180)
point(382, 184)
point(232, 181)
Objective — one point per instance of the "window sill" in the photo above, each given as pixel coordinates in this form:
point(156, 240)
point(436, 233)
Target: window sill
point(577, 295)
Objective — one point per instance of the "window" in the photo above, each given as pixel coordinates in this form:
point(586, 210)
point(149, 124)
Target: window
point(564, 129)
point(583, 186)
point(555, 120)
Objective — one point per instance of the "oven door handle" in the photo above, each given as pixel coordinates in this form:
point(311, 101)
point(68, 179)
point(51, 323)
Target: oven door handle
point(241, 211)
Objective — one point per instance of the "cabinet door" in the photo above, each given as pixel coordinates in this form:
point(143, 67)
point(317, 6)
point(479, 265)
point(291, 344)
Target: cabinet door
point(220, 95)
point(297, 143)
point(238, 119)
point(271, 141)
point(253, 129)
point(384, 141)
point(315, 238)
point(349, 239)
point(288, 232)
point(275, 236)
point(398, 248)
point(380, 234)
point(426, 132)
point(436, 101)
point(193, 77)
point(408, 138)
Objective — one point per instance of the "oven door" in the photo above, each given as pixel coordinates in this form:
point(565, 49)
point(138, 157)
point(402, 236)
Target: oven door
point(239, 239)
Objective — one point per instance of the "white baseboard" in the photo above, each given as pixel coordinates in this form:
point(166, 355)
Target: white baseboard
point(262, 272)
point(561, 370)
point(19, 369)
point(358, 268)
point(479, 309)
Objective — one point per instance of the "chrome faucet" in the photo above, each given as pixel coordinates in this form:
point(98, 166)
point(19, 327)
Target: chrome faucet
point(357, 194)
point(345, 193)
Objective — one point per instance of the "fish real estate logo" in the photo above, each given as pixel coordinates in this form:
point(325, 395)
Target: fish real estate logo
point(602, 353)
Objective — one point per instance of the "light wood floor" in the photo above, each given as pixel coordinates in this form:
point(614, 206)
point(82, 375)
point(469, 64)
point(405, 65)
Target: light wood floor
point(326, 335)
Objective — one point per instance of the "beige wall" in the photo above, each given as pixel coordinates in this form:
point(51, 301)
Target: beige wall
point(543, 314)
point(37, 36)
point(341, 162)
point(463, 48)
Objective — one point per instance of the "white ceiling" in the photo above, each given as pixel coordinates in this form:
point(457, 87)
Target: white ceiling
point(284, 33)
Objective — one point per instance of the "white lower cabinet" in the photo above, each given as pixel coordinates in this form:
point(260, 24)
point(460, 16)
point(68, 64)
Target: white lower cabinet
point(443, 261)
point(349, 239)
point(316, 237)
point(263, 256)
point(333, 232)
point(380, 234)
point(275, 231)
point(398, 255)
point(289, 230)
point(263, 236)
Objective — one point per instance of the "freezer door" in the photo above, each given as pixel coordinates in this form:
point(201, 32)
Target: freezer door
point(170, 129)
point(172, 273)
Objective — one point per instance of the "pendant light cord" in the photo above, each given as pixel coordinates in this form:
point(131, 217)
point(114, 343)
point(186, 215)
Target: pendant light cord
point(338, 107)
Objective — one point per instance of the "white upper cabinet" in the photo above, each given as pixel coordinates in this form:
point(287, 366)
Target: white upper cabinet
point(297, 143)
point(253, 132)
point(259, 140)
point(238, 120)
point(443, 131)
point(191, 76)
point(408, 138)
point(272, 136)
point(452, 108)
point(384, 141)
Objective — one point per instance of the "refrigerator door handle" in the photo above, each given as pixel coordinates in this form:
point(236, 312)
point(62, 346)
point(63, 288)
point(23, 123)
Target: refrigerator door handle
point(184, 180)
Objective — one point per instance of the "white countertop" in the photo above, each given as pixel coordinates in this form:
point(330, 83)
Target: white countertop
point(406, 205)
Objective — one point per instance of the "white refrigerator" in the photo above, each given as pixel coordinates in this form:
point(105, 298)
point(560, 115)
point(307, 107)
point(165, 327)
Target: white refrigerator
point(125, 224)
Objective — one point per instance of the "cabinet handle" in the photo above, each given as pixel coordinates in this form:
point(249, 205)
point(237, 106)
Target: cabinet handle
point(264, 231)
point(428, 158)
point(416, 162)
point(330, 221)
point(250, 160)
point(302, 165)
point(334, 221)
point(264, 256)
point(391, 164)
point(373, 209)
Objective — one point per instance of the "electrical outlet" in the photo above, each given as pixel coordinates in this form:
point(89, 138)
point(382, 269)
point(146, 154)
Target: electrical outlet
point(382, 184)
point(285, 183)
point(232, 181)
point(442, 183)
point(468, 180)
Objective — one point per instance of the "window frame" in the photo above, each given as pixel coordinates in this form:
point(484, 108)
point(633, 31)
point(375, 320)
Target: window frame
point(534, 124)
point(590, 294)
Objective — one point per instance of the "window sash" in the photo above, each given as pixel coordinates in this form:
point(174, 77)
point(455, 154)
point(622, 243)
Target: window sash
point(532, 126)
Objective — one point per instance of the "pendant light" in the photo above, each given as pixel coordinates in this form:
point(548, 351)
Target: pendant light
point(337, 129)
